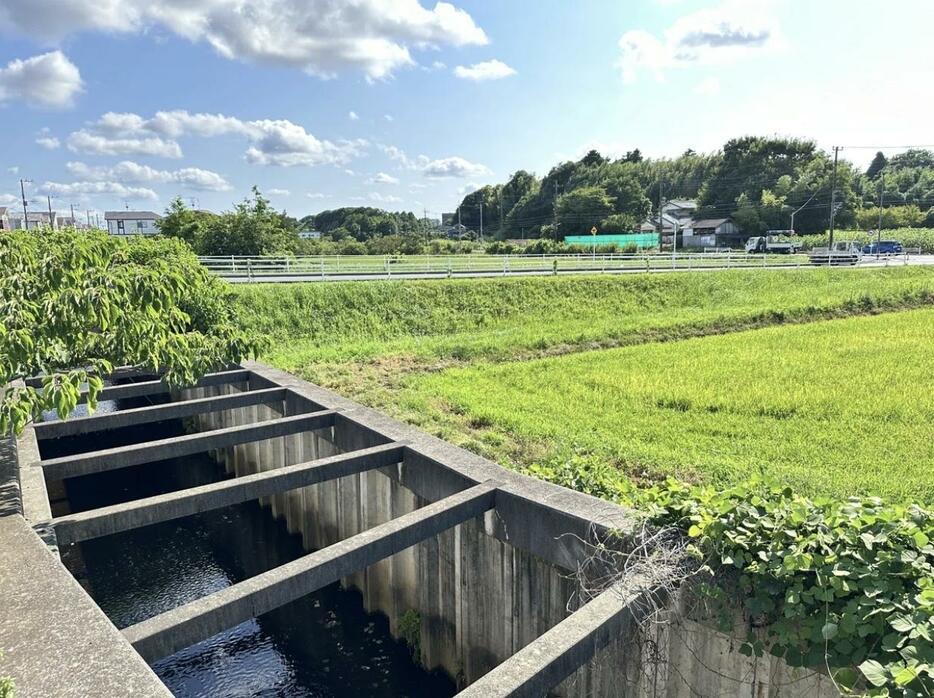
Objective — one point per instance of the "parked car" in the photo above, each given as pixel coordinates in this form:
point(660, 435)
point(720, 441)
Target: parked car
point(883, 247)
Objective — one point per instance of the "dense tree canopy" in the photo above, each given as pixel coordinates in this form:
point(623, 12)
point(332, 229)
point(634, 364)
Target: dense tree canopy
point(77, 304)
point(362, 223)
point(760, 181)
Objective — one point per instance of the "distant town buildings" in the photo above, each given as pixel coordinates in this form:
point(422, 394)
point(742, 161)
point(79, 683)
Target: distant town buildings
point(309, 234)
point(131, 222)
point(4, 218)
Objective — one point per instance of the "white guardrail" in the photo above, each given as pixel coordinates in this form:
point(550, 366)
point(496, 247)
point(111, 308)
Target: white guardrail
point(243, 268)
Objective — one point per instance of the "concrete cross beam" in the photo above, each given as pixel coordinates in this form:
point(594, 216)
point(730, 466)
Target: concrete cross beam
point(157, 413)
point(176, 447)
point(174, 505)
point(545, 662)
point(191, 623)
point(157, 387)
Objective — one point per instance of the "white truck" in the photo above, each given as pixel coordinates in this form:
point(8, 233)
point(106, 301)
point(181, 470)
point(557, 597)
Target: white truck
point(777, 241)
point(843, 253)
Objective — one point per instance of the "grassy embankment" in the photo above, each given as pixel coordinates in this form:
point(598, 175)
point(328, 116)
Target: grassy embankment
point(385, 343)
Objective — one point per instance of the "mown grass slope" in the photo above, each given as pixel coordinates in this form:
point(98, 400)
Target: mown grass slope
point(467, 319)
point(838, 408)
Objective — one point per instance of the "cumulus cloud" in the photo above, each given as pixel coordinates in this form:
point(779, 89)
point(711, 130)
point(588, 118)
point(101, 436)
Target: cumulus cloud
point(129, 171)
point(453, 167)
point(487, 70)
point(49, 80)
point(278, 192)
point(47, 140)
point(382, 178)
point(273, 142)
point(709, 36)
point(321, 38)
point(352, 115)
point(76, 189)
point(317, 195)
point(376, 197)
point(8, 199)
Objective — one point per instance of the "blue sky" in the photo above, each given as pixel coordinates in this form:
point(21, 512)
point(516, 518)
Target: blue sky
point(407, 105)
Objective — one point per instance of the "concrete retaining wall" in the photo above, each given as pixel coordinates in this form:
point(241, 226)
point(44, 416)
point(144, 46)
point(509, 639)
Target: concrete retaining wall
point(481, 599)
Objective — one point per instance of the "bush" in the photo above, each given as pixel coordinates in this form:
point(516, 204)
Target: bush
point(77, 304)
point(500, 247)
point(912, 238)
point(351, 247)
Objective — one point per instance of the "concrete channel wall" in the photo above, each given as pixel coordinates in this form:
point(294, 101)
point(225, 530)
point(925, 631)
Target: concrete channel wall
point(484, 589)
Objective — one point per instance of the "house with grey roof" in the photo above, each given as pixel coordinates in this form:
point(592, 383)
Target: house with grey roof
point(132, 222)
point(712, 232)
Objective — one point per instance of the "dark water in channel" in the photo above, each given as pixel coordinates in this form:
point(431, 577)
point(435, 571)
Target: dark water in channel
point(324, 644)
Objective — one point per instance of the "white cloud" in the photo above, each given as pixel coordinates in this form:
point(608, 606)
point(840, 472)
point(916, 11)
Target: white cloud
point(75, 189)
point(382, 178)
point(453, 167)
point(84, 141)
point(388, 117)
point(709, 36)
point(273, 142)
point(317, 195)
point(48, 80)
point(128, 171)
point(376, 197)
point(278, 192)
point(320, 38)
point(487, 70)
point(708, 86)
point(8, 199)
point(352, 115)
point(468, 188)
point(13, 170)
point(48, 142)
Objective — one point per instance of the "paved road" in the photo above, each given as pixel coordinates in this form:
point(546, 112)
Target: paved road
point(869, 262)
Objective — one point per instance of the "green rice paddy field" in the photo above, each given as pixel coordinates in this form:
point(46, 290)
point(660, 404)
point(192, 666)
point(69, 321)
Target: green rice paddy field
point(820, 379)
point(836, 407)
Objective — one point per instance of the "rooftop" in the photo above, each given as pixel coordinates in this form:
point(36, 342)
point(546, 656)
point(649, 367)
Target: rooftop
point(131, 216)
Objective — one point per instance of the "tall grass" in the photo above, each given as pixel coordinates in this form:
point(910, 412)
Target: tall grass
point(912, 238)
point(501, 318)
point(832, 408)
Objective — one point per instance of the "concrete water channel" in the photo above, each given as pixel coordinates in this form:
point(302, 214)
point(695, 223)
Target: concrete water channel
point(258, 535)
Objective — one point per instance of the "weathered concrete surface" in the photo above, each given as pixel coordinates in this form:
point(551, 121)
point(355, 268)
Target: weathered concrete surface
point(73, 528)
point(176, 447)
point(544, 663)
point(184, 626)
point(156, 413)
point(157, 387)
point(55, 641)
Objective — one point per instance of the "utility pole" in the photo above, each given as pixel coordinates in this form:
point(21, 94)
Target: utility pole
point(879, 229)
point(556, 212)
point(74, 223)
point(659, 227)
point(88, 212)
point(51, 216)
point(481, 221)
point(833, 197)
point(501, 213)
point(22, 191)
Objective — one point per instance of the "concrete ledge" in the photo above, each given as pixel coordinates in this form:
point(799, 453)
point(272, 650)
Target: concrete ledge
point(176, 447)
point(55, 640)
point(157, 387)
point(434, 468)
point(186, 625)
point(157, 413)
point(544, 663)
point(143, 512)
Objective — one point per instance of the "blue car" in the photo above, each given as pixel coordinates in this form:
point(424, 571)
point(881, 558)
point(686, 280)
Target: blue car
point(883, 247)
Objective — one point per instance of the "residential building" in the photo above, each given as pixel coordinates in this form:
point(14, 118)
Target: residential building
point(309, 234)
point(35, 219)
point(712, 232)
point(4, 218)
point(681, 210)
point(131, 222)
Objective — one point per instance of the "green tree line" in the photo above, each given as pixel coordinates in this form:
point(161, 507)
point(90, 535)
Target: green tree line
point(759, 181)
